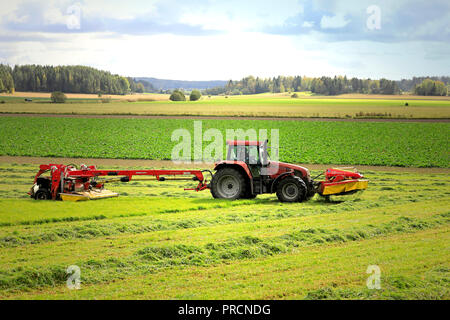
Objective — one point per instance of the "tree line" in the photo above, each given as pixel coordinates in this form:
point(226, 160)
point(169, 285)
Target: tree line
point(322, 85)
point(6, 79)
point(409, 85)
point(69, 79)
point(333, 86)
point(82, 79)
point(431, 88)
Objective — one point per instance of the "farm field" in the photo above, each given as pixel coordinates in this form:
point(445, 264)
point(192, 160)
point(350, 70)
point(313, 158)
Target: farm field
point(293, 174)
point(366, 143)
point(263, 105)
point(157, 241)
point(45, 96)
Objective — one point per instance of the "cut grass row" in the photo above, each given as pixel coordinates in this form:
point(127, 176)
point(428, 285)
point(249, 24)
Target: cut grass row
point(153, 259)
point(308, 250)
point(14, 237)
point(411, 269)
point(260, 225)
point(366, 143)
point(165, 199)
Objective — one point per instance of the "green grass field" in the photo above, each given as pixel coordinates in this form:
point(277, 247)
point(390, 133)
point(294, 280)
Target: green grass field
point(263, 105)
point(367, 143)
point(157, 241)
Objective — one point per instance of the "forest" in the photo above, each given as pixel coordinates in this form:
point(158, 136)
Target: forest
point(333, 86)
point(82, 79)
point(322, 85)
point(431, 87)
point(412, 84)
point(68, 79)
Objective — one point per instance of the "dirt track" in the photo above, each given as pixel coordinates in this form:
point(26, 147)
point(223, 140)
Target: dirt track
point(214, 117)
point(168, 164)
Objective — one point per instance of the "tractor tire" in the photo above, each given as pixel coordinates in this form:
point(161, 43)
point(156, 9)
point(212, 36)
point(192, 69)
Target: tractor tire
point(228, 183)
point(310, 191)
point(42, 194)
point(291, 189)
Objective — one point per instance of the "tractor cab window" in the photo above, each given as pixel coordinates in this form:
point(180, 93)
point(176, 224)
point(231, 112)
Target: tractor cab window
point(236, 153)
point(248, 154)
point(253, 155)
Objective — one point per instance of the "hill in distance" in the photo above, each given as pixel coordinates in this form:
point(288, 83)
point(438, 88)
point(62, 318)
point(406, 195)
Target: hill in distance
point(165, 84)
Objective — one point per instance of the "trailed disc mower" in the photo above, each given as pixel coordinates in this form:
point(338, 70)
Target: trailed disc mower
point(246, 173)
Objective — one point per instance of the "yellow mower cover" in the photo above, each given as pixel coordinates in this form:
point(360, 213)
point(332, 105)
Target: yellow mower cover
point(344, 187)
point(342, 181)
point(88, 195)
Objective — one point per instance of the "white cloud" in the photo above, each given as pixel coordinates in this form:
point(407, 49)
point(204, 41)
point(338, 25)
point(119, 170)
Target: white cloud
point(239, 51)
point(119, 9)
point(241, 15)
point(181, 57)
point(54, 15)
point(334, 22)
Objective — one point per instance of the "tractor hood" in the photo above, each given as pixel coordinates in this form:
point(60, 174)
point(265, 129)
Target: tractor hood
point(283, 167)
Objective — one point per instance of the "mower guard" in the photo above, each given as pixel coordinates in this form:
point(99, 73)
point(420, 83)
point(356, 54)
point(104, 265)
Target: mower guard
point(88, 195)
point(343, 187)
point(342, 181)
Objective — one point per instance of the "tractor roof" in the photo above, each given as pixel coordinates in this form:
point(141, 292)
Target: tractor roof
point(244, 143)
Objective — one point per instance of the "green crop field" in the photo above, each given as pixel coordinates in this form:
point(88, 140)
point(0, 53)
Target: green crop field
point(157, 241)
point(316, 132)
point(262, 105)
point(367, 143)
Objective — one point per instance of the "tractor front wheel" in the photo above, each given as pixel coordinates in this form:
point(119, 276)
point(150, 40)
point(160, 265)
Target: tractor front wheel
point(291, 190)
point(228, 183)
point(42, 194)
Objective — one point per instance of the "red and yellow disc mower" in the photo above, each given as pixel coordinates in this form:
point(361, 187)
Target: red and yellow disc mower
point(247, 172)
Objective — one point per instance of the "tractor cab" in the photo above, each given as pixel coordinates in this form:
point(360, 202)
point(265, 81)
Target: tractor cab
point(251, 152)
point(248, 171)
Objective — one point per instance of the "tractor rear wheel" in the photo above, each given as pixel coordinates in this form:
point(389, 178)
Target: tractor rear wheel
point(291, 189)
point(42, 194)
point(228, 183)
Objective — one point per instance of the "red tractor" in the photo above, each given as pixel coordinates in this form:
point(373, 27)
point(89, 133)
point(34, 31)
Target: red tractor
point(247, 172)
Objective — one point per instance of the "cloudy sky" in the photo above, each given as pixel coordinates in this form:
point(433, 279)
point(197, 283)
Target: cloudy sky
point(230, 39)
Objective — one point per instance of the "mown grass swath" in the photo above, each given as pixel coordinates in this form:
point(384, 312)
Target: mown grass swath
point(145, 246)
